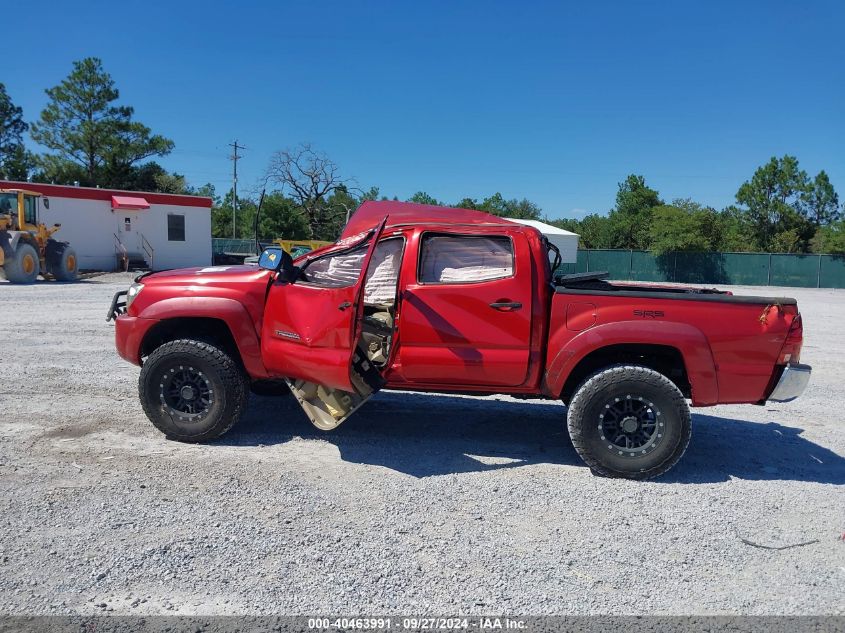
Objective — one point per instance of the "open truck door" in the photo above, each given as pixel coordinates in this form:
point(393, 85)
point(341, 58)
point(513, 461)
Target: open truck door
point(312, 333)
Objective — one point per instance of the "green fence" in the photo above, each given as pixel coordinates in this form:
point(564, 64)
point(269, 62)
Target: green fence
point(221, 245)
point(748, 269)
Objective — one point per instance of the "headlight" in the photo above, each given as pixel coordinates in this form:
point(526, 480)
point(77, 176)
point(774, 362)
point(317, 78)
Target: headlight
point(134, 291)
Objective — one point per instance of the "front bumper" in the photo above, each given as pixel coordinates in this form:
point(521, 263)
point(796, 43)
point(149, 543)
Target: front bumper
point(792, 383)
point(118, 305)
point(129, 333)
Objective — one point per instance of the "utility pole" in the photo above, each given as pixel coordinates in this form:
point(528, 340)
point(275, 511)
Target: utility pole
point(234, 158)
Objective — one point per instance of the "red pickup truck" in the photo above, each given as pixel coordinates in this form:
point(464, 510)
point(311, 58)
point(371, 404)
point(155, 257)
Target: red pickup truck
point(435, 299)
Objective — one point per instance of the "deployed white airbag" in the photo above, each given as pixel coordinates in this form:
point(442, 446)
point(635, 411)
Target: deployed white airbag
point(383, 272)
point(462, 259)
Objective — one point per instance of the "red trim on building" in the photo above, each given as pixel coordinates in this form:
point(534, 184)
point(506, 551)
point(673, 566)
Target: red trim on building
point(129, 203)
point(90, 193)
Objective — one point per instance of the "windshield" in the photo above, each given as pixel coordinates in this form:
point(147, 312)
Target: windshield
point(8, 203)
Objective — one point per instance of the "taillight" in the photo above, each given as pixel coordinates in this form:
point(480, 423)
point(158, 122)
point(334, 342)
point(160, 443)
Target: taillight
point(791, 350)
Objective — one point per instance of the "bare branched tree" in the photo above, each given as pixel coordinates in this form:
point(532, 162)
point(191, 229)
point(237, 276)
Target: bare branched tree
point(309, 177)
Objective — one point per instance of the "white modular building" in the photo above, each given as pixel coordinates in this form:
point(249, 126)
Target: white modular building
point(106, 226)
point(566, 241)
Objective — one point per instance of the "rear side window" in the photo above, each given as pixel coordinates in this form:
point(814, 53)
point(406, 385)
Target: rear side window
point(456, 259)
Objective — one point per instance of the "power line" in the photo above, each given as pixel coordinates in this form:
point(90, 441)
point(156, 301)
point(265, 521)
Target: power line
point(234, 158)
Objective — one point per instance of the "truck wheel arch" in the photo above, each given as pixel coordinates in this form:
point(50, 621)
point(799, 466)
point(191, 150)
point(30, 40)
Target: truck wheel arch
point(677, 350)
point(225, 321)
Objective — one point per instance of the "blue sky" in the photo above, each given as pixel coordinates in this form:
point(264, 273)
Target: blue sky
point(555, 102)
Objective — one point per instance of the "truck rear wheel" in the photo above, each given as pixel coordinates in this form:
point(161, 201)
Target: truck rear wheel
point(192, 391)
point(629, 421)
point(22, 265)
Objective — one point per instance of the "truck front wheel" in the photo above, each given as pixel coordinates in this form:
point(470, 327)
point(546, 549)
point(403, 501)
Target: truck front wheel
point(629, 421)
point(192, 391)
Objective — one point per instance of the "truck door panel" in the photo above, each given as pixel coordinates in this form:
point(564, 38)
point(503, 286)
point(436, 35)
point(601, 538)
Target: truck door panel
point(332, 343)
point(310, 327)
point(467, 319)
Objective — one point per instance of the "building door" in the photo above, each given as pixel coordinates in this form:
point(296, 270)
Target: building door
point(127, 231)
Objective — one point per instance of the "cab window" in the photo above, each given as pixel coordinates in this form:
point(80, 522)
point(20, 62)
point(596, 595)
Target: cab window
point(30, 207)
point(344, 269)
point(8, 203)
point(457, 259)
point(335, 271)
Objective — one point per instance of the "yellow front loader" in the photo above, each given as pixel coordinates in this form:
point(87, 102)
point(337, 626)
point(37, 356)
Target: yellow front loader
point(27, 247)
point(295, 248)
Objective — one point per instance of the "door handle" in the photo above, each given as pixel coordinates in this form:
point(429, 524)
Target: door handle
point(344, 305)
point(506, 306)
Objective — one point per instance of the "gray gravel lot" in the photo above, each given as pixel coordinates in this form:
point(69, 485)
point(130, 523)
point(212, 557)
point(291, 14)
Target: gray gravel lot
point(421, 504)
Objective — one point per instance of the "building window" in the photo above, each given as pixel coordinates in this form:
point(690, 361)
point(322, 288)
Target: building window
point(175, 228)
point(455, 259)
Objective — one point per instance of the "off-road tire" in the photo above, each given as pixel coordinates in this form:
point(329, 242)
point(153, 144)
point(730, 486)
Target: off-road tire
point(656, 398)
point(220, 375)
point(270, 388)
point(22, 265)
point(62, 261)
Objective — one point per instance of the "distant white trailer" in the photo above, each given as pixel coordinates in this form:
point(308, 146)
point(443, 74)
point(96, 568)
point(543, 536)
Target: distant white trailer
point(566, 241)
point(156, 230)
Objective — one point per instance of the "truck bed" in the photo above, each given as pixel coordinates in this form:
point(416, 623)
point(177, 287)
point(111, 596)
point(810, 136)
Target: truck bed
point(734, 343)
point(592, 283)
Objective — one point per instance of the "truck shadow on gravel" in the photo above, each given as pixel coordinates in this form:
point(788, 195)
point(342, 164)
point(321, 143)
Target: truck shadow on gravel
point(722, 448)
point(424, 435)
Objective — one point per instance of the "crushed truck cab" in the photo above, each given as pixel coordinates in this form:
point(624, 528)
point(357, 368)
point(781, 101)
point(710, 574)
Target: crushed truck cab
point(433, 299)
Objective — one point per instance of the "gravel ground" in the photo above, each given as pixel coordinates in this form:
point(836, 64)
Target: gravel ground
point(418, 504)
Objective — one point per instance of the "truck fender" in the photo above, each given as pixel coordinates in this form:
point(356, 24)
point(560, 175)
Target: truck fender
point(231, 312)
point(565, 353)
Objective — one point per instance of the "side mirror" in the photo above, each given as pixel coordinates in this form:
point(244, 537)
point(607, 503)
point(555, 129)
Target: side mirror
point(46, 202)
point(278, 260)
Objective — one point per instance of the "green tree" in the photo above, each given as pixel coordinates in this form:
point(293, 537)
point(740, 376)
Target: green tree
point(630, 220)
point(149, 176)
point(467, 203)
point(497, 204)
point(821, 200)
point(522, 209)
point(775, 200)
point(280, 218)
point(594, 230)
point(89, 135)
point(207, 191)
point(736, 231)
point(685, 225)
point(340, 205)
point(830, 238)
point(15, 161)
point(421, 197)
point(221, 217)
point(371, 194)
